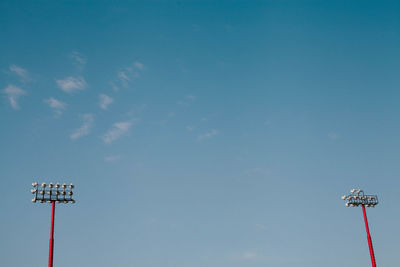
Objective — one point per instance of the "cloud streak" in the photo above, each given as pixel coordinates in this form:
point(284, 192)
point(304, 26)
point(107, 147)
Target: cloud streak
point(72, 84)
point(207, 135)
point(56, 105)
point(13, 93)
point(247, 256)
point(79, 59)
point(119, 129)
point(112, 158)
point(105, 101)
point(20, 72)
point(126, 75)
point(333, 136)
point(85, 128)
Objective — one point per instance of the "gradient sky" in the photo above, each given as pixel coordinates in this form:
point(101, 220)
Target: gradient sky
point(200, 133)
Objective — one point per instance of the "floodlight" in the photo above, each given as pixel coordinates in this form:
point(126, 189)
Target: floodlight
point(51, 194)
point(357, 198)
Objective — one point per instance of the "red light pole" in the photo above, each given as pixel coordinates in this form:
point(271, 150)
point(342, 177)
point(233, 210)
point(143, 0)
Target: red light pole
point(52, 195)
point(355, 199)
point(51, 245)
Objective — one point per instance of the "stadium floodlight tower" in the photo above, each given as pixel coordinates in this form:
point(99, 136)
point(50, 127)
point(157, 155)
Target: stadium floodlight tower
point(52, 193)
point(358, 198)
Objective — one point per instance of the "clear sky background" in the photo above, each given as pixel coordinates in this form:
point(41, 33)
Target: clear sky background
point(200, 133)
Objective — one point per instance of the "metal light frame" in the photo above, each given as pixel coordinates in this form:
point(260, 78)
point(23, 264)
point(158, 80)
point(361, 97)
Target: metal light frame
point(358, 198)
point(52, 193)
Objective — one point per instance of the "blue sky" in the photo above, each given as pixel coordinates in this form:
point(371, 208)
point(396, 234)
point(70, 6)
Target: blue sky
point(200, 133)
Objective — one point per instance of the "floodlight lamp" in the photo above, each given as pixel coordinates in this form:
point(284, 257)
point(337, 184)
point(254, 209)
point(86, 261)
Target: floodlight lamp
point(33, 191)
point(70, 193)
point(51, 185)
point(352, 191)
point(344, 197)
point(42, 192)
point(41, 201)
point(34, 184)
point(64, 185)
point(34, 199)
point(57, 185)
point(72, 201)
point(43, 185)
point(63, 192)
point(347, 204)
point(71, 186)
point(65, 201)
point(57, 192)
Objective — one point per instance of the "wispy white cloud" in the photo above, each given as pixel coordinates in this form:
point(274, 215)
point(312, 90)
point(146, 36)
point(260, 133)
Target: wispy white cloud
point(123, 78)
point(87, 124)
point(138, 65)
point(13, 93)
point(246, 256)
point(72, 84)
point(105, 101)
point(188, 100)
point(257, 171)
point(190, 128)
point(333, 136)
point(20, 72)
point(79, 59)
point(56, 105)
point(250, 255)
point(267, 123)
point(119, 129)
point(114, 87)
point(112, 158)
point(182, 103)
point(207, 135)
point(127, 74)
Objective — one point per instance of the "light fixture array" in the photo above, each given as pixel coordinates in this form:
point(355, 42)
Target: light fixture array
point(357, 198)
point(59, 193)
